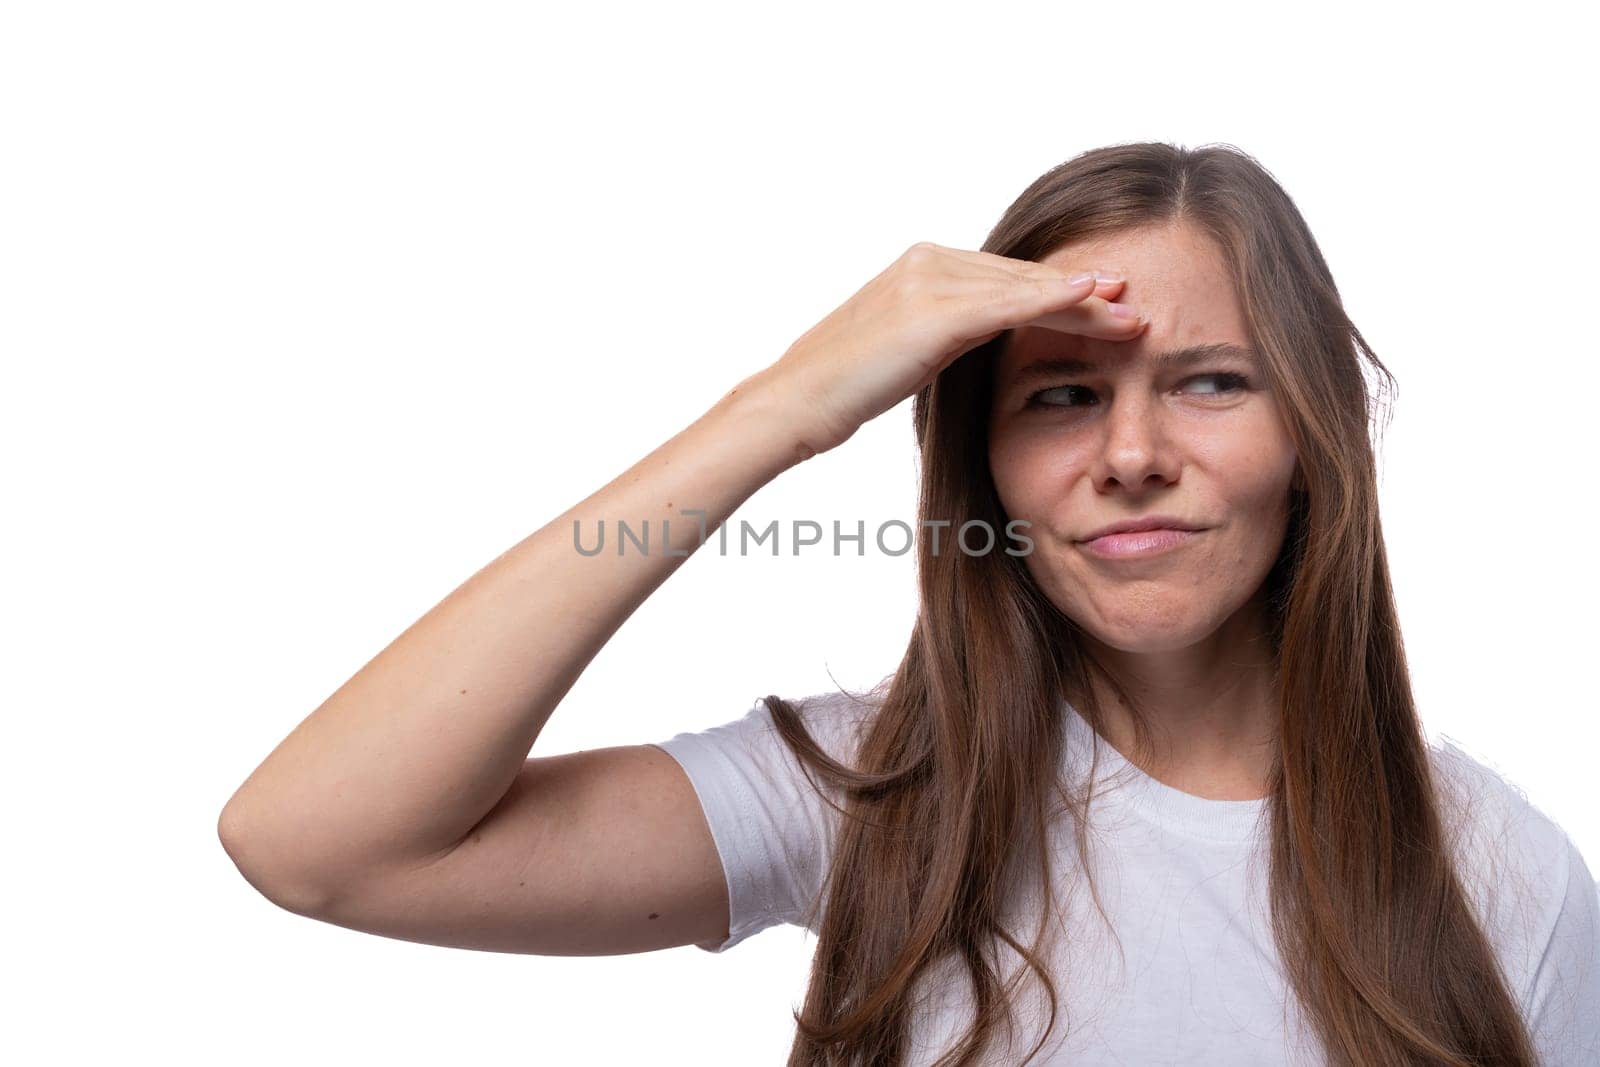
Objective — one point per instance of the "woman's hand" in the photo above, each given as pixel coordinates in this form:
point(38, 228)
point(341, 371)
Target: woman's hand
point(926, 309)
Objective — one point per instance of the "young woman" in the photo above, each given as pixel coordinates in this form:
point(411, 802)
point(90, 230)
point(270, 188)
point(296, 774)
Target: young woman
point(1148, 785)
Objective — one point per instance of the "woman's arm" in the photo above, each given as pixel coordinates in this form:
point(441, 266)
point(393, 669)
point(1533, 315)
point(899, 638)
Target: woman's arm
point(366, 802)
point(408, 755)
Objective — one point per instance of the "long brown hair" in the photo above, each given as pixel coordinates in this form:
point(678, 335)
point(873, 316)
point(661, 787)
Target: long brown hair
point(948, 795)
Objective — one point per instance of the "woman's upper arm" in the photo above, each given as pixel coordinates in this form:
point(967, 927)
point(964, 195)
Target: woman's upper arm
point(703, 839)
point(592, 853)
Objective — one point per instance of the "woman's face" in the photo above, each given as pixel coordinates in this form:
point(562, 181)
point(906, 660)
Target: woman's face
point(1122, 437)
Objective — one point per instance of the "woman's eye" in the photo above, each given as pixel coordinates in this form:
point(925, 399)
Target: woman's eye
point(1063, 396)
point(1233, 382)
point(1039, 399)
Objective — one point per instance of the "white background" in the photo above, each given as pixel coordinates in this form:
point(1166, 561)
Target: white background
point(309, 310)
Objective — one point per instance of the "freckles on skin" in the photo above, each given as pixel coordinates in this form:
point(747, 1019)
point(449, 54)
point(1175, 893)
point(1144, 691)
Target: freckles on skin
point(1174, 601)
point(1236, 484)
point(1146, 443)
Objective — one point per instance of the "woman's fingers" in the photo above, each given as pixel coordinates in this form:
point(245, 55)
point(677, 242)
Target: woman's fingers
point(1102, 319)
point(1020, 292)
point(1053, 300)
point(1108, 280)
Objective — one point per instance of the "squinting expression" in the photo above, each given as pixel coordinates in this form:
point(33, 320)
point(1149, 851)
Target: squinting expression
point(1122, 437)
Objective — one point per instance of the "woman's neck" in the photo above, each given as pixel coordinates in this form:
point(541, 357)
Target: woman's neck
point(1212, 710)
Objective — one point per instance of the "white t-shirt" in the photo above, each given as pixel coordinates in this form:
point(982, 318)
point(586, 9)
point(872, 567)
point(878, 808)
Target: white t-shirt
point(1188, 971)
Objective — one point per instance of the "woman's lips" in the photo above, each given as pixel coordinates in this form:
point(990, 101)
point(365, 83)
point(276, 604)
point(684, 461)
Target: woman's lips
point(1139, 545)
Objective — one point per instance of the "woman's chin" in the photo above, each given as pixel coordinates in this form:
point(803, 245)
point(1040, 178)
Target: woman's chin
point(1154, 634)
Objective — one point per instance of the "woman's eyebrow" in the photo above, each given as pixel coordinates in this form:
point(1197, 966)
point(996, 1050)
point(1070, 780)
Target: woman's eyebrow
point(1171, 359)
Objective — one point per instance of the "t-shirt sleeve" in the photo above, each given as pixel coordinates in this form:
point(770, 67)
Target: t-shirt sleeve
point(773, 831)
point(1563, 1008)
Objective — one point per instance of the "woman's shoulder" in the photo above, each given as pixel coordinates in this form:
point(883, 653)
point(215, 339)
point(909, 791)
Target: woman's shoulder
point(839, 718)
point(1520, 869)
point(1491, 815)
point(1495, 829)
point(1536, 899)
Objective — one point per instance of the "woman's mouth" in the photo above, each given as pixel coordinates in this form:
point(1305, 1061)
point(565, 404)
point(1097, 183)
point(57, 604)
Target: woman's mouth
point(1139, 545)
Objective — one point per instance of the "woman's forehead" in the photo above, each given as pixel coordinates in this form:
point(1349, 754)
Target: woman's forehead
point(1180, 282)
point(1158, 265)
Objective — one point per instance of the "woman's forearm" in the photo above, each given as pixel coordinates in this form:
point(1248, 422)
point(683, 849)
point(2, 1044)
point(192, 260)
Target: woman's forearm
point(414, 749)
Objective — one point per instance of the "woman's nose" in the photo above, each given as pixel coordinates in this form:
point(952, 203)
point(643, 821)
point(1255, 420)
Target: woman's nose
point(1134, 448)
